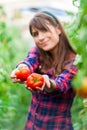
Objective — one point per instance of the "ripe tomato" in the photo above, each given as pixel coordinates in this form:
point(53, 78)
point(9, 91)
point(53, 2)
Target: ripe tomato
point(22, 73)
point(35, 80)
point(82, 91)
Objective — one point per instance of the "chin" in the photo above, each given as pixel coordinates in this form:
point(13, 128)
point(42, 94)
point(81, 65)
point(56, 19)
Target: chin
point(46, 49)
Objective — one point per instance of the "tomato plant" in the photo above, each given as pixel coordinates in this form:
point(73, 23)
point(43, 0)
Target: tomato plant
point(77, 31)
point(35, 80)
point(22, 73)
point(10, 43)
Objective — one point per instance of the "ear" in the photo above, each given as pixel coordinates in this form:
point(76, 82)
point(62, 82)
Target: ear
point(58, 31)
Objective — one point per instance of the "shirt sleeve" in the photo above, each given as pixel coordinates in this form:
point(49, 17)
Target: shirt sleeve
point(32, 59)
point(63, 81)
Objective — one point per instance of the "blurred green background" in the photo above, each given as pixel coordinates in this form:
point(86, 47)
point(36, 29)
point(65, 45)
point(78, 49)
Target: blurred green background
point(15, 42)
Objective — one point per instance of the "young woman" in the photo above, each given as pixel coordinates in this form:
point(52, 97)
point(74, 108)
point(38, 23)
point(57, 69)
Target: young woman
point(52, 57)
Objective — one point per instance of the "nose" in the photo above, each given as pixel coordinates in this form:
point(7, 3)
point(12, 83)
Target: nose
point(41, 36)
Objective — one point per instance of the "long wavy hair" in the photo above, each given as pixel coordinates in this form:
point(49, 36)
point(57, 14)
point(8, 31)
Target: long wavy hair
point(65, 54)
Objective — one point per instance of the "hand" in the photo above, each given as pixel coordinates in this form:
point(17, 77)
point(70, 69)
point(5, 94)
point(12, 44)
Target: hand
point(35, 82)
point(37, 89)
point(14, 77)
point(20, 73)
point(50, 85)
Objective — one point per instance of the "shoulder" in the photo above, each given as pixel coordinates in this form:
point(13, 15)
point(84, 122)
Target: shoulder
point(33, 50)
point(69, 63)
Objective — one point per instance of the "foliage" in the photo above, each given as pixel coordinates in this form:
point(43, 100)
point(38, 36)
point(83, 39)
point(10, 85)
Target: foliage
point(13, 97)
point(78, 35)
point(77, 31)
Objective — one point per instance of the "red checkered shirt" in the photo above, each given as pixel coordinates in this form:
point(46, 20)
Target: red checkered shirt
point(50, 111)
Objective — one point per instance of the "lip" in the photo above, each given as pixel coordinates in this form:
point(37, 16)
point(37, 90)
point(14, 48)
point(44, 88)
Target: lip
point(44, 43)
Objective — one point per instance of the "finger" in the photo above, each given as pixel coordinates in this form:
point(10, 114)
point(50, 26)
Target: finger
point(13, 73)
point(13, 76)
point(47, 82)
point(18, 80)
point(38, 89)
point(30, 89)
point(33, 91)
point(41, 88)
point(14, 81)
point(21, 82)
point(25, 82)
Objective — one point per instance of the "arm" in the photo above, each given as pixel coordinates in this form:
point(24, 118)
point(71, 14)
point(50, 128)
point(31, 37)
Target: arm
point(31, 60)
point(62, 82)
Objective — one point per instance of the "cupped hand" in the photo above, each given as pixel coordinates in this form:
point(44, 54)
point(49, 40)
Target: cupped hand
point(37, 89)
point(17, 73)
point(49, 84)
point(14, 77)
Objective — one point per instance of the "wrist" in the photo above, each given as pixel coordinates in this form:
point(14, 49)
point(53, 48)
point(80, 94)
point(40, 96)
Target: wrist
point(22, 65)
point(52, 83)
point(52, 86)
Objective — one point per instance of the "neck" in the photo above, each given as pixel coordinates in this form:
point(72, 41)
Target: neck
point(54, 53)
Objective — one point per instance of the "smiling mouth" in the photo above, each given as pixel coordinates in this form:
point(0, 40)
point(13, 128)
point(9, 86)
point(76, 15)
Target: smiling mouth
point(44, 43)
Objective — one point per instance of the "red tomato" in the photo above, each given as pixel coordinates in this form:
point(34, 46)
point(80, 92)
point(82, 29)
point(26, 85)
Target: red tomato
point(35, 80)
point(22, 73)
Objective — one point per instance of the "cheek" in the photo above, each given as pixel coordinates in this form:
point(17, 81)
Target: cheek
point(35, 40)
point(55, 39)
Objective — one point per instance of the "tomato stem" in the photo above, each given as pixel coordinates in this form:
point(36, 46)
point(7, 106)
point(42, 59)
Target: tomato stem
point(36, 80)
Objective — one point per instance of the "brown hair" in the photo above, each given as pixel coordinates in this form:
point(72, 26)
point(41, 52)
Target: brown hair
point(65, 51)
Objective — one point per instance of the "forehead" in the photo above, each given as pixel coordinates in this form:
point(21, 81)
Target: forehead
point(46, 27)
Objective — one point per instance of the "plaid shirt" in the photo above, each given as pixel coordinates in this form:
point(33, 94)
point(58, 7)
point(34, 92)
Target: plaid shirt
point(50, 111)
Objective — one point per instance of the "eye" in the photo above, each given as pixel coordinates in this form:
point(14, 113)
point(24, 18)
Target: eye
point(34, 34)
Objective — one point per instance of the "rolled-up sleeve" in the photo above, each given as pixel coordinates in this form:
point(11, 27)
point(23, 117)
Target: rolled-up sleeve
point(31, 60)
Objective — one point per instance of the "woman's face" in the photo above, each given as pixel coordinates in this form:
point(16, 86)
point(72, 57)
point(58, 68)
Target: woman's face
point(46, 40)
